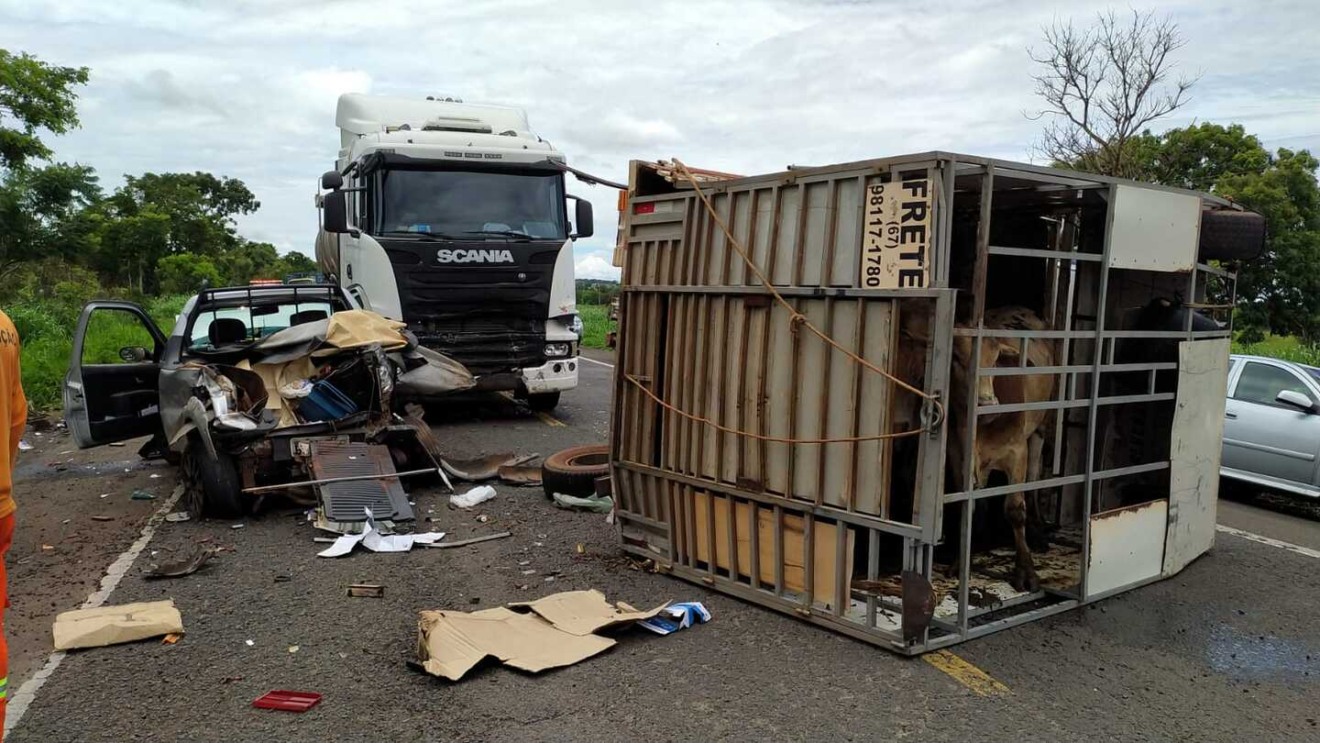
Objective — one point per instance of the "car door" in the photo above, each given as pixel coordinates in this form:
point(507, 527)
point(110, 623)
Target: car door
point(111, 390)
point(1265, 437)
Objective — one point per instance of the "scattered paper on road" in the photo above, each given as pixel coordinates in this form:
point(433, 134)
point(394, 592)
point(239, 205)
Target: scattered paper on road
point(372, 539)
point(111, 625)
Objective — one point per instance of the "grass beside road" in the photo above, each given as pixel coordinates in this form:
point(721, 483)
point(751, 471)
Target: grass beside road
point(1284, 347)
point(595, 324)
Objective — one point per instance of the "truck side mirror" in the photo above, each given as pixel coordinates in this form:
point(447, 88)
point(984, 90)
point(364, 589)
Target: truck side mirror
point(332, 180)
point(334, 212)
point(582, 218)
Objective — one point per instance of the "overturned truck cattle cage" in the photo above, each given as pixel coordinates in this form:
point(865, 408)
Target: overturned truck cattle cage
point(921, 399)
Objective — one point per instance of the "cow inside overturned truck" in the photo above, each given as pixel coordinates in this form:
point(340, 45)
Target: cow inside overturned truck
point(810, 412)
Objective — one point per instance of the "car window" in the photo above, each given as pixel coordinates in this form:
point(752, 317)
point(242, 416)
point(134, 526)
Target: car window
point(113, 331)
point(1261, 383)
point(251, 323)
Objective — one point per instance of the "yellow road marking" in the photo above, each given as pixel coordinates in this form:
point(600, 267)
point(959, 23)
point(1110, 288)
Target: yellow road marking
point(550, 420)
point(980, 682)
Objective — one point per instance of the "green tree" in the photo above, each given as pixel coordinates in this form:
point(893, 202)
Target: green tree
point(159, 214)
point(249, 260)
point(1197, 157)
point(34, 95)
point(43, 213)
point(295, 262)
point(200, 207)
point(183, 273)
point(131, 246)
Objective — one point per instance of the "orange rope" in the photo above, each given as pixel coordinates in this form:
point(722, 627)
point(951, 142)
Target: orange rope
point(795, 318)
point(774, 439)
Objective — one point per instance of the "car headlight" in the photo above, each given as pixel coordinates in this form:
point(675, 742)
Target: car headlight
point(558, 350)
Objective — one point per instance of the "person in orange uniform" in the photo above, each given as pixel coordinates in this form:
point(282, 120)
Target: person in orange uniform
point(13, 408)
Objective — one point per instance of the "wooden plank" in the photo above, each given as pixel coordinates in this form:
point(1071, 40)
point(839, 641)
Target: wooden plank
point(825, 535)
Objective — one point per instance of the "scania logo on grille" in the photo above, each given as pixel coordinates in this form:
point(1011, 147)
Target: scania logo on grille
point(474, 256)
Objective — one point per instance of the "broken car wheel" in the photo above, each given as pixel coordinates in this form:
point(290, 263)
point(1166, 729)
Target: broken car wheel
point(574, 471)
point(213, 485)
point(543, 402)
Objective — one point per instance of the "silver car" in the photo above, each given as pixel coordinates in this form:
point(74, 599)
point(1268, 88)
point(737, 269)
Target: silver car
point(1272, 425)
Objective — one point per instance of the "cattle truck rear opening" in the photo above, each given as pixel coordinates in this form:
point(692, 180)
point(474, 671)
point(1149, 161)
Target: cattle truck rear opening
point(453, 218)
point(803, 355)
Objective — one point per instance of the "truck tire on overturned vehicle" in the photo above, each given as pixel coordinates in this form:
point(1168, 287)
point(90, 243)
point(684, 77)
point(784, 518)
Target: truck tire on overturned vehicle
point(574, 471)
point(213, 487)
point(1228, 235)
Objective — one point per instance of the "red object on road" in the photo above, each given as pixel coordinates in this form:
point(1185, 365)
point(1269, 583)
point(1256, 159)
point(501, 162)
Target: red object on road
point(287, 701)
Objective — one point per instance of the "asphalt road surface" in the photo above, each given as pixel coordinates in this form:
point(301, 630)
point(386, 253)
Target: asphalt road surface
point(1224, 651)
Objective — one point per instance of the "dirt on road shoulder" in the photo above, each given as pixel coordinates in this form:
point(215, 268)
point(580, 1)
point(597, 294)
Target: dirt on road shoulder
point(75, 515)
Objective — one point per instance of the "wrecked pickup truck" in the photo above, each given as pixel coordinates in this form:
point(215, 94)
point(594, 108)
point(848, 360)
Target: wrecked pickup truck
point(251, 384)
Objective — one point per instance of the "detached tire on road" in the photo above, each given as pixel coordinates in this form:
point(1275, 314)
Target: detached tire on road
point(214, 488)
point(574, 471)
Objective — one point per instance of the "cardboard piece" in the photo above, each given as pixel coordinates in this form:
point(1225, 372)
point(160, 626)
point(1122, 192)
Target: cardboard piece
point(585, 612)
point(111, 625)
point(453, 642)
point(557, 632)
point(360, 328)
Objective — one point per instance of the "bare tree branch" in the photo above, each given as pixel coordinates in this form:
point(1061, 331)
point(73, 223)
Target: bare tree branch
point(1102, 86)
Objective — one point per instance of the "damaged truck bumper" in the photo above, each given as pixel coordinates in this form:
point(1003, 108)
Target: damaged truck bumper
point(555, 375)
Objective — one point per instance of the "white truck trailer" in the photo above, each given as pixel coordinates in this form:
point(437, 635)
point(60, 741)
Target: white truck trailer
point(453, 218)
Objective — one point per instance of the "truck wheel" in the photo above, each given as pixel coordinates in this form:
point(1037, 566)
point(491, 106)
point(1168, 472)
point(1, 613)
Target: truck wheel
point(574, 471)
point(1228, 235)
point(543, 402)
point(213, 485)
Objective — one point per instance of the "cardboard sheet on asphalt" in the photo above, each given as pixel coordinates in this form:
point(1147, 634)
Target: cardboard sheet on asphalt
point(557, 631)
point(585, 612)
point(111, 625)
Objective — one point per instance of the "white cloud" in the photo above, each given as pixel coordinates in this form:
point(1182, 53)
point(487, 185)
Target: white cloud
point(247, 88)
point(596, 267)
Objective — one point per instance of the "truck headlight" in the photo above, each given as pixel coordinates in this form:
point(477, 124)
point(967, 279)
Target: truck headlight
point(558, 350)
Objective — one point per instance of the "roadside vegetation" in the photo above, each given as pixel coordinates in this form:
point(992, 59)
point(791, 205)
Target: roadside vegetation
point(46, 328)
point(1284, 347)
point(593, 303)
point(595, 324)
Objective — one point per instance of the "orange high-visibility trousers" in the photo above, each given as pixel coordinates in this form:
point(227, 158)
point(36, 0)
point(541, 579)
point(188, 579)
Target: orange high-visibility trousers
point(6, 537)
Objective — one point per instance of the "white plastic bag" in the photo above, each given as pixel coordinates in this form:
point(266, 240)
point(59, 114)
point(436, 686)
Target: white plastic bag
point(479, 494)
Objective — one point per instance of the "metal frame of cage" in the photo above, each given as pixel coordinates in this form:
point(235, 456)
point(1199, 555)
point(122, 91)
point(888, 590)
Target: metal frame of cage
point(669, 505)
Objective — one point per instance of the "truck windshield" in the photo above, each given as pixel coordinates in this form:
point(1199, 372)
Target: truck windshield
point(472, 203)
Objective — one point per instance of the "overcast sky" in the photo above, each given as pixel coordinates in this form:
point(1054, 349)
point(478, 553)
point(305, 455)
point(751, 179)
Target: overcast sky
point(247, 88)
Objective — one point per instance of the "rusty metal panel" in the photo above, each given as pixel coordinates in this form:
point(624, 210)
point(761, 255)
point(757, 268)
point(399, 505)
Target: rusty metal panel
point(847, 232)
point(346, 501)
point(813, 245)
point(1127, 546)
point(1198, 430)
point(874, 394)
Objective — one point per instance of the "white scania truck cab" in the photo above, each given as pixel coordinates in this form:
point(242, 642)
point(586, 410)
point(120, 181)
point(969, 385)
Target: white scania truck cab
point(453, 218)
